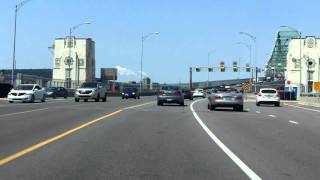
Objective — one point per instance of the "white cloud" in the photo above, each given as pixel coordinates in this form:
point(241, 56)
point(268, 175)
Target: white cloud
point(125, 71)
point(143, 73)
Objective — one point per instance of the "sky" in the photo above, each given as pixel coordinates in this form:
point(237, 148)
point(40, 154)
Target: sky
point(188, 31)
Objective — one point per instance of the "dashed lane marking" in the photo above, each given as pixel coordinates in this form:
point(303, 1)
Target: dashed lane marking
point(293, 122)
point(315, 110)
point(271, 115)
point(258, 112)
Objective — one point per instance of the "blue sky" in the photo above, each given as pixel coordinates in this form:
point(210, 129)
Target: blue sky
point(188, 30)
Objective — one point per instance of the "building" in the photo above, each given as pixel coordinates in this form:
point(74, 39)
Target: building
point(303, 63)
point(73, 61)
point(108, 74)
point(146, 83)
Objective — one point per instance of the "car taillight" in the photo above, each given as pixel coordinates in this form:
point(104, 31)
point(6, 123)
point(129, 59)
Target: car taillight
point(178, 93)
point(259, 94)
point(218, 97)
point(238, 97)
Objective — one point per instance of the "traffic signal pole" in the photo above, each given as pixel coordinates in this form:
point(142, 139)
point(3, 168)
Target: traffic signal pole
point(190, 74)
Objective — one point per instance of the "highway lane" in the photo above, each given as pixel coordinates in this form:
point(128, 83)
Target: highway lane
point(22, 127)
point(152, 142)
point(264, 138)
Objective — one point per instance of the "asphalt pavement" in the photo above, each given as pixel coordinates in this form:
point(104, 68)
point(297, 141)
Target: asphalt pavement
point(136, 139)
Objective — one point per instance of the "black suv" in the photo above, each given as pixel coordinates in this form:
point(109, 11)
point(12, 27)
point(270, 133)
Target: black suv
point(130, 93)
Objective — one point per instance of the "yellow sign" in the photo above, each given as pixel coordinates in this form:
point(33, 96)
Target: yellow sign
point(247, 86)
point(316, 86)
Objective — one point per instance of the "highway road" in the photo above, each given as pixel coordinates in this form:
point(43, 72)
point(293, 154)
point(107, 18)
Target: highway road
point(136, 139)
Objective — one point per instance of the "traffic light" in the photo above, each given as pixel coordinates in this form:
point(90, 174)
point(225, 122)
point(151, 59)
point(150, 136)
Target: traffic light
point(198, 69)
point(248, 68)
point(235, 66)
point(210, 69)
point(222, 67)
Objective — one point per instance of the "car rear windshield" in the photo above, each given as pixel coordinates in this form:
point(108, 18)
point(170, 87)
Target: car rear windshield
point(226, 90)
point(170, 88)
point(269, 91)
point(24, 87)
point(130, 89)
point(89, 85)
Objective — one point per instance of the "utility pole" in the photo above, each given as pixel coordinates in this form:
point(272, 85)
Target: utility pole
point(190, 74)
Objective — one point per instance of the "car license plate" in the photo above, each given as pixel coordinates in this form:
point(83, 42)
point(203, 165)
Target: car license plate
point(169, 99)
point(228, 98)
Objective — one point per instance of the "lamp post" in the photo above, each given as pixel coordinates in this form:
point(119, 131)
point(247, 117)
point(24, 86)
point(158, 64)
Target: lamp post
point(254, 39)
point(17, 7)
point(143, 38)
point(209, 54)
point(70, 59)
point(300, 54)
point(250, 56)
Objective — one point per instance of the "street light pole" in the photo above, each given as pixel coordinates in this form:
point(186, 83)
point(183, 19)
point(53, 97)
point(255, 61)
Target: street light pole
point(69, 62)
point(250, 56)
point(143, 38)
point(17, 7)
point(254, 39)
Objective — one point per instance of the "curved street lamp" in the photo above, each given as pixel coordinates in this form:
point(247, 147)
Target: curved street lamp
point(143, 38)
point(71, 30)
point(17, 8)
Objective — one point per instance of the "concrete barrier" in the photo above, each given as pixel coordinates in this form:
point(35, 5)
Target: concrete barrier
point(309, 101)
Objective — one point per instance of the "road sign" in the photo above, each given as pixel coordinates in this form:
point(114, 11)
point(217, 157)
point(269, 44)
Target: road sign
point(247, 87)
point(316, 86)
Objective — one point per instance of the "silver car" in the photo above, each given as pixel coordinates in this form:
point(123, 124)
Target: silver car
point(170, 94)
point(226, 98)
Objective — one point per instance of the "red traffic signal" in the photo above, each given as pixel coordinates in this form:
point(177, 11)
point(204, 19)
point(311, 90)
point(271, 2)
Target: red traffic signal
point(210, 69)
point(222, 69)
point(198, 69)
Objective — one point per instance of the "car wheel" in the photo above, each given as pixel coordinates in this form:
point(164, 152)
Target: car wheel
point(43, 98)
point(10, 101)
point(159, 103)
point(105, 98)
point(138, 97)
point(76, 100)
point(54, 96)
point(122, 97)
point(182, 104)
point(239, 108)
point(85, 100)
point(212, 107)
point(32, 99)
point(258, 104)
point(97, 99)
point(277, 104)
point(65, 97)
point(191, 99)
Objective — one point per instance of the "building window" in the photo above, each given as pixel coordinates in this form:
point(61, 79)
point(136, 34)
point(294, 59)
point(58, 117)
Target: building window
point(81, 62)
point(57, 61)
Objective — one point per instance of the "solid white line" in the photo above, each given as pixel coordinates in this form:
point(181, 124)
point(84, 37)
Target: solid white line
point(23, 112)
point(303, 108)
point(271, 115)
point(293, 122)
point(258, 112)
point(251, 174)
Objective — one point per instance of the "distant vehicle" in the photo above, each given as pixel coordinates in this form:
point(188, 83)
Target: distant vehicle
point(91, 90)
point(55, 92)
point(130, 93)
point(268, 96)
point(5, 88)
point(170, 94)
point(187, 94)
point(27, 93)
point(199, 93)
point(225, 97)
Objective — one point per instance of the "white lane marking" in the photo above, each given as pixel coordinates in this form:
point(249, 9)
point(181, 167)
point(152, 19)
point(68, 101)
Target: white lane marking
point(250, 173)
point(271, 115)
point(139, 105)
point(23, 112)
point(315, 110)
point(258, 112)
point(293, 122)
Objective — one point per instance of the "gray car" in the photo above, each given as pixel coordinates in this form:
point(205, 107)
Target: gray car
point(170, 94)
point(226, 98)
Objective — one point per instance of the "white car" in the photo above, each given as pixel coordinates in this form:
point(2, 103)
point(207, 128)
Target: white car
point(199, 93)
point(268, 96)
point(27, 93)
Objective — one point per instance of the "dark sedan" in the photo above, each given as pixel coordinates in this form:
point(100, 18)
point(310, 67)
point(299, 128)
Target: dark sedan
point(188, 94)
point(130, 93)
point(55, 92)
